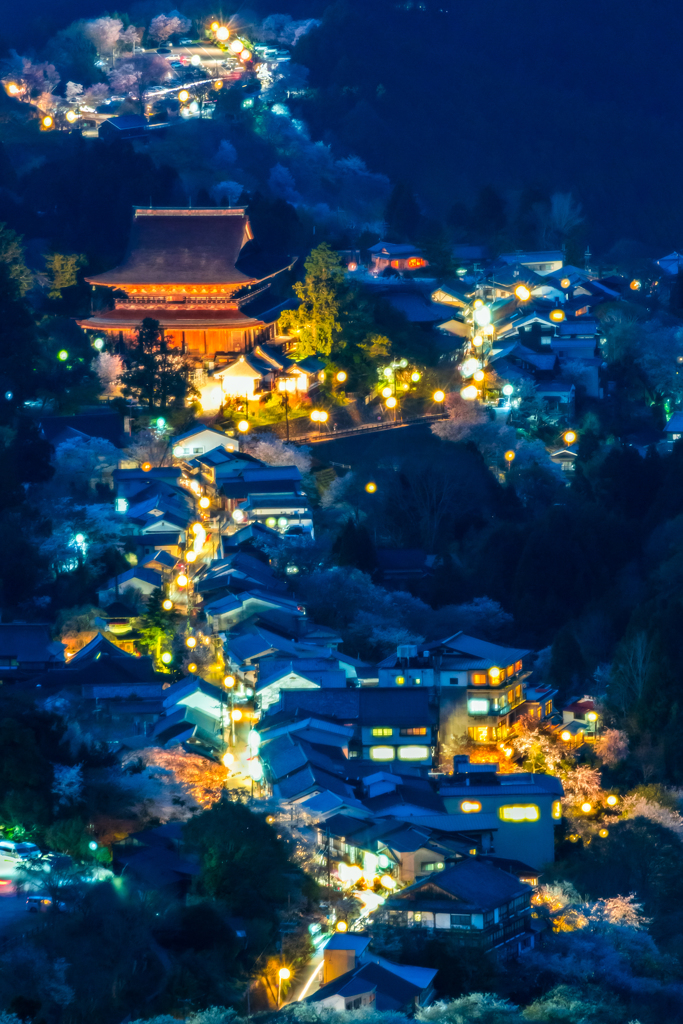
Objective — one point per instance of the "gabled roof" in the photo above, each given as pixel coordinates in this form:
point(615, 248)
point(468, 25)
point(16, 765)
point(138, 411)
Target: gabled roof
point(376, 706)
point(29, 642)
point(394, 250)
point(468, 886)
point(392, 989)
point(179, 246)
point(149, 576)
point(675, 424)
point(199, 428)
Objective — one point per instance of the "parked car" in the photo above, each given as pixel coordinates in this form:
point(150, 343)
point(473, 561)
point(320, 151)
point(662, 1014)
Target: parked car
point(41, 904)
point(163, 50)
point(185, 42)
point(18, 851)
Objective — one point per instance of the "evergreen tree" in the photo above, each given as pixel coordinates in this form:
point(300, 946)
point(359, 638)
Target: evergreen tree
point(437, 249)
point(159, 375)
point(354, 547)
point(157, 627)
point(322, 291)
point(402, 214)
point(18, 344)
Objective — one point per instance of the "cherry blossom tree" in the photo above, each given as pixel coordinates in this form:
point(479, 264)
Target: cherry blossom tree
point(136, 73)
point(612, 746)
point(104, 33)
point(164, 26)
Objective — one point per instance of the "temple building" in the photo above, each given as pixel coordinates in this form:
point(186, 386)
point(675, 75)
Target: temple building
point(193, 271)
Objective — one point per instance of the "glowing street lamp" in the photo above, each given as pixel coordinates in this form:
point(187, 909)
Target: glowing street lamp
point(478, 375)
point(522, 293)
point(236, 46)
point(566, 736)
point(469, 393)
point(167, 605)
point(192, 667)
point(342, 926)
point(282, 975)
point(62, 355)
point(229, 681)
point(215, 25)
point(439, 396)
point(482, 315)
point(71, 116)
point(243, 426)
point(415, 376)
point(391, 402)
point(222, 33)
point(204, 502)
point(386, 392)
point(47, 121)
point(586, 807)
point(245, 55)
point(341, 376)
point(191, 556)
point(191, 641)
point(508, 390)
point(509, 456)
point(167, 657)
point(569, 437)
point(236, 715)
point(228, 759)
point(371, 487)
point(181, 580)
point(612, 800)
point(183, 95)
point(592, 716)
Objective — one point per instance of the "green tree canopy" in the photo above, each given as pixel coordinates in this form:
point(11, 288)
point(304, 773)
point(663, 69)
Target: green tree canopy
point(317, 320)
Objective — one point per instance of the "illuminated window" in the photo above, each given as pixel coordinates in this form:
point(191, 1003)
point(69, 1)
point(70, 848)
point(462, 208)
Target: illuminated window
point(382, 732)
point(413, 732)
point(416, 753)
point(548, 707)
point(480, 733)
point(382, 753)
point(518, 666)
point(400, 680)
point(511, 696)
point(432, 865)
point(511, 670)
point(519, 812)
point(478, 706)
point(533, 880)
point(557, 809)
point(479, 679)
point(417, 916)
point(470, 806)
point(518, 692)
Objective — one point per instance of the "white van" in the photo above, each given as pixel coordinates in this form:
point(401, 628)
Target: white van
point(18, 851)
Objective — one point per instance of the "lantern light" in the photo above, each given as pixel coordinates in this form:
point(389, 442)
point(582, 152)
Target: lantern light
point(215, 25)
point(167, 605)
point(222, 33)
point(477, 341)
point(508, 390)
point(469, 393)
point(71, 116)
point(322, 416)
point(284, 973)
point(47, 121)
point(243, 426)
point(565, 283)
point(635, 285)
point(236, 715)
point(204, 502)
point(557, 315)
point(566, 736)
point(439, 396)
point(192, 667)
point(183, 95)
point(586, 807)
point(191, 556)
point(415, 376)
point(612, 800)
point(191, 641)
point(341, 926)
point(371, 487)
point(167, 657)
point(352, 266)
point(569, 437)
point(341, 376)
point(13, 89)
point(388, 882)
point(391, 402)
point(592, 716)
point(229, 681)
point(386, 392)
point(478, 375)
point(482, 315)
point(603, 833)
point(478, 303)
point(522, 292)
point(245, 55)
point(146, 467)
point(509, 456)
point(236, 46)
point(181, 580)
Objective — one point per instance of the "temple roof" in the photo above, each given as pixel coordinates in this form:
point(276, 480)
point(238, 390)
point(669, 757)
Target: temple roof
point(170, 319)
point(183, 246)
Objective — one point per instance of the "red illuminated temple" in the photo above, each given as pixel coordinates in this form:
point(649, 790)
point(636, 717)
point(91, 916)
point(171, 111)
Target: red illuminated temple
point(193, 272)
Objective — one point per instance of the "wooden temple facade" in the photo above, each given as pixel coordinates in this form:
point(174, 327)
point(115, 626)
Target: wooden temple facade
point(188, 269)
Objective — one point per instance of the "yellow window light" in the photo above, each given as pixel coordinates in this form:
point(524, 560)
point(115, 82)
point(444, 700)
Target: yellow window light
point(494, 672)
point(470, 806)
point(557, 315)
point(557, 809)
point(519, 812)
